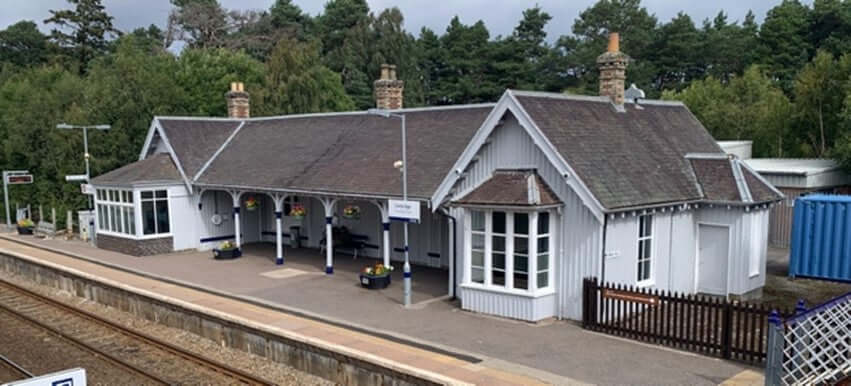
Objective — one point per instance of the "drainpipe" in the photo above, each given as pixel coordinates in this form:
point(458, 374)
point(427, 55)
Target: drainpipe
point(452, 254)
point(603, 265)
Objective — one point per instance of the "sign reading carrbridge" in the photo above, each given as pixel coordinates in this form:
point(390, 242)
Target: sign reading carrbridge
point(631, 296)
point(17, 179)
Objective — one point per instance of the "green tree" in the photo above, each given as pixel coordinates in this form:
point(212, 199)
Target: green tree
point(205, 76)
point(22, 44)
point(830, 26)
point(819, 93)
point(297, 81)
point(83, 31)
point(727, 48)
point(465, 78)
point(289, 17)
point(784, 47)
point(677, 54)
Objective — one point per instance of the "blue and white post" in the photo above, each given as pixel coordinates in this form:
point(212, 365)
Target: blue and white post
point(329, 235)
point(407, 266)
point(236, 222)
point(279, 243)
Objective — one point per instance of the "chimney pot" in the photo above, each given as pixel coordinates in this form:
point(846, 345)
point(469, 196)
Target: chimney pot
point(238, 101)
point(612, 64)
point(388, 90)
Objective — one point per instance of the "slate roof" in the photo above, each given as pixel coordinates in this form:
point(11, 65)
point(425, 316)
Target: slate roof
point(157, 168)
point(511, 188)
point(347, 152)
point(627, 159)
point(195, 140)
point(717, 178)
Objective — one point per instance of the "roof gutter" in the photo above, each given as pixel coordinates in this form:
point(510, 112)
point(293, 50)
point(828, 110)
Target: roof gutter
point(308, 192)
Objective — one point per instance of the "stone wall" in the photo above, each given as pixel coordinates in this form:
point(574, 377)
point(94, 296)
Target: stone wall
point(145, 247)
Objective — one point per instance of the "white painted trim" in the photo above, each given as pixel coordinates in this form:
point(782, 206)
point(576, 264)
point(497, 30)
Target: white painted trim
point(218, 151)
point(174, 156)
point(510, 291)
point(508, 103)
point(744, 192)
point(148, 138)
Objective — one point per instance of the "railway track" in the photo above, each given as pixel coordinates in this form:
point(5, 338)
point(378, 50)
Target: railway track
point(10, 370)
point(139, 354)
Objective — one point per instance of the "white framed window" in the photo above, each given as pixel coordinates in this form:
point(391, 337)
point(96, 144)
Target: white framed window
point(155, 217)
point(645, 248)
point(757, 245)
point(509, 250)
point(116, 211)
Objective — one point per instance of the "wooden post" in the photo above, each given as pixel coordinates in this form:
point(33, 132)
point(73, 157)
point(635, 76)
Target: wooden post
point(727, 330)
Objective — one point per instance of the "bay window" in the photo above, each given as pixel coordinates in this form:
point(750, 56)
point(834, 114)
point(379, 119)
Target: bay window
point(117, 209)
point(509, 250)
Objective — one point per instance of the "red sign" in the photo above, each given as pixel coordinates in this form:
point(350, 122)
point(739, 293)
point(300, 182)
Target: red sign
point(631, 296)
point(19, 179)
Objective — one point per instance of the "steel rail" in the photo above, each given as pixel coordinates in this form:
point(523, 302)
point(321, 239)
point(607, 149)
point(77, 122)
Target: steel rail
point(209, 364)
point(16, 367)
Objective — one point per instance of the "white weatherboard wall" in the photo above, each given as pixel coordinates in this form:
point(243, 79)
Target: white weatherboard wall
point(214, 202)
point(183, 214)
point(577, 254)
point(672, 262)
point(739, 278)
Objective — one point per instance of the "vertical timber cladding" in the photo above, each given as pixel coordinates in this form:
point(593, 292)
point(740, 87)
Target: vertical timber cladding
point(334, 366)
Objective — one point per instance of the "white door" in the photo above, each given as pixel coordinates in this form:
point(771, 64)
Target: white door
point(712, 259)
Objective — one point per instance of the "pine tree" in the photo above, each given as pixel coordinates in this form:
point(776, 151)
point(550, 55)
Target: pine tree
point(83, 31)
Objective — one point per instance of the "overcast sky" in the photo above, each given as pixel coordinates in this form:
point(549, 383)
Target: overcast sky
point(500, 16)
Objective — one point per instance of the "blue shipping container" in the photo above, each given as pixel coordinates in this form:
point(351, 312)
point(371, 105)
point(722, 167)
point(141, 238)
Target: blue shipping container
point(821, 237)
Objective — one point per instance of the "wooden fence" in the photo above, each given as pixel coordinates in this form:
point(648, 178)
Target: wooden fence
point(705, 324)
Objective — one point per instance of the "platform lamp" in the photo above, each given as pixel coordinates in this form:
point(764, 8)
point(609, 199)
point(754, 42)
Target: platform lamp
point(86, 155)
point(404, 167)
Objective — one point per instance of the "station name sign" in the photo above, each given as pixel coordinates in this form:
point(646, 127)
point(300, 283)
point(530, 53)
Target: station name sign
point(401, 210)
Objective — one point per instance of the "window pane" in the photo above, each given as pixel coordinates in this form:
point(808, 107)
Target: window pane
point(644, 253)
point(162, 217)
point(543, 244)
point(521, 280)
point(498, 278)
point(645, 226)
point(130, 196)
point(101, 217)
point(498, 244)
point(478, 275)
point(521, 223)
point(161, 194)
point(543, 262)
point(521, 245)
point(498, 222)
point(498, 260)
point(148, 194)
point(521, 264)
point(132, 216)
point(113, 219)
point(543, 279)
point(125, 215)
point(477, 259)
point(148, 218)
point(543, 223)
point(478, 241)
point(477, 220)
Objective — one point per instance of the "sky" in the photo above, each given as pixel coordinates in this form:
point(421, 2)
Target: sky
point(500, 16)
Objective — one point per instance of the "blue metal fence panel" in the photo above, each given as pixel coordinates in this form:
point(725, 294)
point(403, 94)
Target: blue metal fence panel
point(821, 238)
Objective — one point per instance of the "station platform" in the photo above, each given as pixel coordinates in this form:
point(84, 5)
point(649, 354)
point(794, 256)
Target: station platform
point(435, 337)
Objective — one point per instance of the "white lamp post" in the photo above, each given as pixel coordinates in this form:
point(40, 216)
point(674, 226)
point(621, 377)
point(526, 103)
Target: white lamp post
point(404, 166)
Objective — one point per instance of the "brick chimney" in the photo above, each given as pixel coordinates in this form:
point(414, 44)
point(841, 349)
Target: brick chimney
point(388, 89)
point(612, 66)
point(238, 104)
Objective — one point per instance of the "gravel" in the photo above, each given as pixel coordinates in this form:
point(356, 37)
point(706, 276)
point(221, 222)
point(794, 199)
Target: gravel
point(270, 370)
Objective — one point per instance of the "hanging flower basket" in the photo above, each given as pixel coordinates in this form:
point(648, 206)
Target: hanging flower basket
point(251, 203)
point(25, 226)
point(297, 211)
point(351, 212)
point(376, 277)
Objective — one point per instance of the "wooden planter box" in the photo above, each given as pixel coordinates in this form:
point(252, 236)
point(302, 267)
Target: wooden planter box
point(375, 282)
point(226, 254)
point(25, 230)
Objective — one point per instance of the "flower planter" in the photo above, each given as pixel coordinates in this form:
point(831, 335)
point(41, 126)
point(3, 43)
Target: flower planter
point(375, 282)
point(25, 230)
point(226, 254)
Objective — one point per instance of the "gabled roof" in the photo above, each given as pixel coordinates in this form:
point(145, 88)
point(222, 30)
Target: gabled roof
point(156, 169)
point(627, 159)
point(511, 188)
point(195, 140)
point(727, 179)
point(341, 153)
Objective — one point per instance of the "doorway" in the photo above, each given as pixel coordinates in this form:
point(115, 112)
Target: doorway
point(714, 248)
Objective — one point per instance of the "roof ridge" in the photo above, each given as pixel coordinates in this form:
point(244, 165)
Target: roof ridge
point(590, 98)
